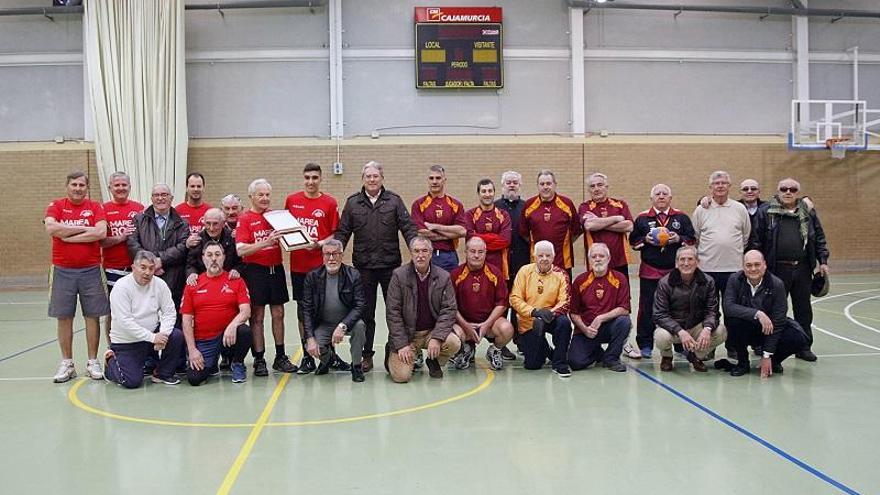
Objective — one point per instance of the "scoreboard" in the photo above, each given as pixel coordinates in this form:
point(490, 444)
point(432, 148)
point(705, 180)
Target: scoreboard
point(458, 47)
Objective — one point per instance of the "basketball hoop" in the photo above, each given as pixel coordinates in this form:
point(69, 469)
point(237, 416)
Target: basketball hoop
point(838, 146)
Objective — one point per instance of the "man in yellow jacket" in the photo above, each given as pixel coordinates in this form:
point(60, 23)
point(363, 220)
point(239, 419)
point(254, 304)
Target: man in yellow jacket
point(540, 296)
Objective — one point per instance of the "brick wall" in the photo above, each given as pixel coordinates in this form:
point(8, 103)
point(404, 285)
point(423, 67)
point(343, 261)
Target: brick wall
point(842, 190)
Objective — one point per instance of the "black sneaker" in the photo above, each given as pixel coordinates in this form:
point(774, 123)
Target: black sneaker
point(260, 368)
point(357, 373)
point(339, 364)
point(282, 363)
point(807, 355)
point(740, 370)
point(225, 363)
point(615, 366)
point(434, 369)
point(507, 355)
point(324, 366)
point(306, 365)
point(562, 370)
point(777, 368)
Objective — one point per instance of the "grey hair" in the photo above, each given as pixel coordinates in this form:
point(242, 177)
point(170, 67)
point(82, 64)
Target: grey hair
point(437, 168)
point(779, 184)
point(717, 175)
point(336, 243)
point(144, 255)
point(599, 246)
point(545, 245)
point(684, 248)
point(420, 238)
point(231, 198)
point(257, 183)
point(659, 186)
point(211, 212)
point(511, 173)
point(372, 164)
point(118, 175)
point(475, 239)
point(162, 184)
point(599, 175)
point(545, 172)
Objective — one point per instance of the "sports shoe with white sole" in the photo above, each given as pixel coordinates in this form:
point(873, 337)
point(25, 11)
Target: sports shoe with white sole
point(496, 360)
point(562, 370)
point(66, 372)
point(93, 370)
point(631, 351)
point(171, 380)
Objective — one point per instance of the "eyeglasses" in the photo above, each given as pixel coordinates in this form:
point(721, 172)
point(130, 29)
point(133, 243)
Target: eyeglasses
point(161, 195)
point(335, 254)
point(749, 188)
point(788, 189)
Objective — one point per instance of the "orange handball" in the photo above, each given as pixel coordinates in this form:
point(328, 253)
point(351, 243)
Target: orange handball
point(659, 236)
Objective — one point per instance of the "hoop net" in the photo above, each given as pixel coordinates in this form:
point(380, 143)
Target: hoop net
point(838, 146)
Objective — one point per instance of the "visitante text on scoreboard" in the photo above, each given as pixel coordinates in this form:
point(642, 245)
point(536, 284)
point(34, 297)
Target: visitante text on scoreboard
point(458, 47)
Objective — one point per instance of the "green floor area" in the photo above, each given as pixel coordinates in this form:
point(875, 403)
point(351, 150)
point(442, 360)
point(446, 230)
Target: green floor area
point(810, 430)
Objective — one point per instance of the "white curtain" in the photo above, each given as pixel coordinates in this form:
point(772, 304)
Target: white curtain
point(137, 81)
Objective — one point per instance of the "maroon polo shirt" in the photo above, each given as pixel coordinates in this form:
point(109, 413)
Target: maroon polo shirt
point(595, 296)
point(478, 292)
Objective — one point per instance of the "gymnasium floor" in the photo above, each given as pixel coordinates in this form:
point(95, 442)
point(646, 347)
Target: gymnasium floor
point(811, 430)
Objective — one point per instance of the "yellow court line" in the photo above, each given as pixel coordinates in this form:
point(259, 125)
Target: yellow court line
point(245, 452)
point(490, 376)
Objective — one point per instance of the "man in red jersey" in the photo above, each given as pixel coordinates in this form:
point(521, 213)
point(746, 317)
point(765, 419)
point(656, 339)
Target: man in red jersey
point(215, 313)
point(120, 212)
point(438, 216)
point(481, 296)
point(606, 220)
point(263, 270)
point(77, 224)
point(317, 212)
point(551, 217)
point(193, 208)
point(492, 224)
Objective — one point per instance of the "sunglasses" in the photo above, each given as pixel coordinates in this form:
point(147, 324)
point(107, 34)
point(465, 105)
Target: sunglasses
point(788, 189)
point(749, 188)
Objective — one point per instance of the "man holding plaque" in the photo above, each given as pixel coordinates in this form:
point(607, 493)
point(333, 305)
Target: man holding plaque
point(263, 271)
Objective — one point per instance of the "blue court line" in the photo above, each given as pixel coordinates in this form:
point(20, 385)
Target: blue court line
point(785, 455)
point(29, 349)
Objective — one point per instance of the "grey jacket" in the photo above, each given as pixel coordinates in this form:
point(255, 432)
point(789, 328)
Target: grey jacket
point(400, 306)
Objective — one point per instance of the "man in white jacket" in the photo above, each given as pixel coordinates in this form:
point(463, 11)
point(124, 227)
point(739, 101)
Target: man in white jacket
point(143, 321)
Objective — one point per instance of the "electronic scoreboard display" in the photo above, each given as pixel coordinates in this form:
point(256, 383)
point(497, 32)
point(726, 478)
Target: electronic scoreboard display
point(458, 47)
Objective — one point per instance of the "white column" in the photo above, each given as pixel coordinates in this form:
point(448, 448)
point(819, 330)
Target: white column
point(336, 89)
point(801, 27)
point(88, 125)
point(578, 100)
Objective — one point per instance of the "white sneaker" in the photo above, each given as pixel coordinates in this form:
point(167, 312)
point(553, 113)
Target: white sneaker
point(93, 370)
point(66, 372)
point(631, 351)
point(493, 355)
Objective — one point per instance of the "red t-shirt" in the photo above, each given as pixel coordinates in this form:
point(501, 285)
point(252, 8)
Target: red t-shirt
point(478, 292)
point(444, 210)
point(493, 226)
point(75, 254)
point(253, 228)
point(320, 218)
point(213, 301)
point(120, 221)
point(193, 215)
point(616, 241)
point(555, 221)
point(595, 296)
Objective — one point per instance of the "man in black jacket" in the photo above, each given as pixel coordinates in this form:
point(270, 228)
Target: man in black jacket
point(217, 231)
point(755, 308)
point(686, 312)
point(790, 236)
point(333, 304)
point(374, 215)
point(161, 231)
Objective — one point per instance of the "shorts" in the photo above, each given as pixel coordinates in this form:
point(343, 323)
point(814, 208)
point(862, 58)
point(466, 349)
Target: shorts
point(114, 274)
point(266, 284)
point(298, 284)
point(88, 283)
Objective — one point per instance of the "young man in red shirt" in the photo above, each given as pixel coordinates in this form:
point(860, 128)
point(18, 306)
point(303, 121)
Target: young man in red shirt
point(600, 310)
point(492, 224)
point(193, 208)
point(263, 270)
point(317, 212)
point(606, 220)
point(551, 217)
point(77, 224)
point(438, 216)
point(215, 313)
point(481, 296)
point(120, 212)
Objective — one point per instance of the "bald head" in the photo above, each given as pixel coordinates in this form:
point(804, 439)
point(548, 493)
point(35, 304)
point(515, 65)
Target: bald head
point(476, 253)
point(754, 266)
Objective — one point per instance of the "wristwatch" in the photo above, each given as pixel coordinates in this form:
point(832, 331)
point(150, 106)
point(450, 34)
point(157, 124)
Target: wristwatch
point(343, 326)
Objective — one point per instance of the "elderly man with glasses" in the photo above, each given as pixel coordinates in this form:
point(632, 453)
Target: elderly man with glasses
point(790, 236)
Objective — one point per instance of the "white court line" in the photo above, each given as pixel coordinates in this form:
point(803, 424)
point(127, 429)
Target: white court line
point(26, 378)
point(23, 303)
point(855, 354)
point(849, 316)
point(826, 332)
point(856, 283)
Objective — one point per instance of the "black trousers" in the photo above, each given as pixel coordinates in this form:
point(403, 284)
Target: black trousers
point(645, 320)
point(742, 333)
point(585, 351)
point(798, 281)
point(371, 280)
point(535, 347)
point(721, 279)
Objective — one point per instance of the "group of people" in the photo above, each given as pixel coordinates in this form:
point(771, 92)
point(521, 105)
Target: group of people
point(189, 284)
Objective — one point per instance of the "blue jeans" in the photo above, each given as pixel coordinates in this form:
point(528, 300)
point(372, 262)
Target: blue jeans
point(447, 260)
point(212, 349)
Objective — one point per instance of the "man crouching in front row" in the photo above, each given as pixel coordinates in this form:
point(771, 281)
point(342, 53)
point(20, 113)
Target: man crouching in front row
point(420, 310)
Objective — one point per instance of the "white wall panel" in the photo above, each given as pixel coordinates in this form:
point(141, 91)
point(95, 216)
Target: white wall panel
point(38, 103)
